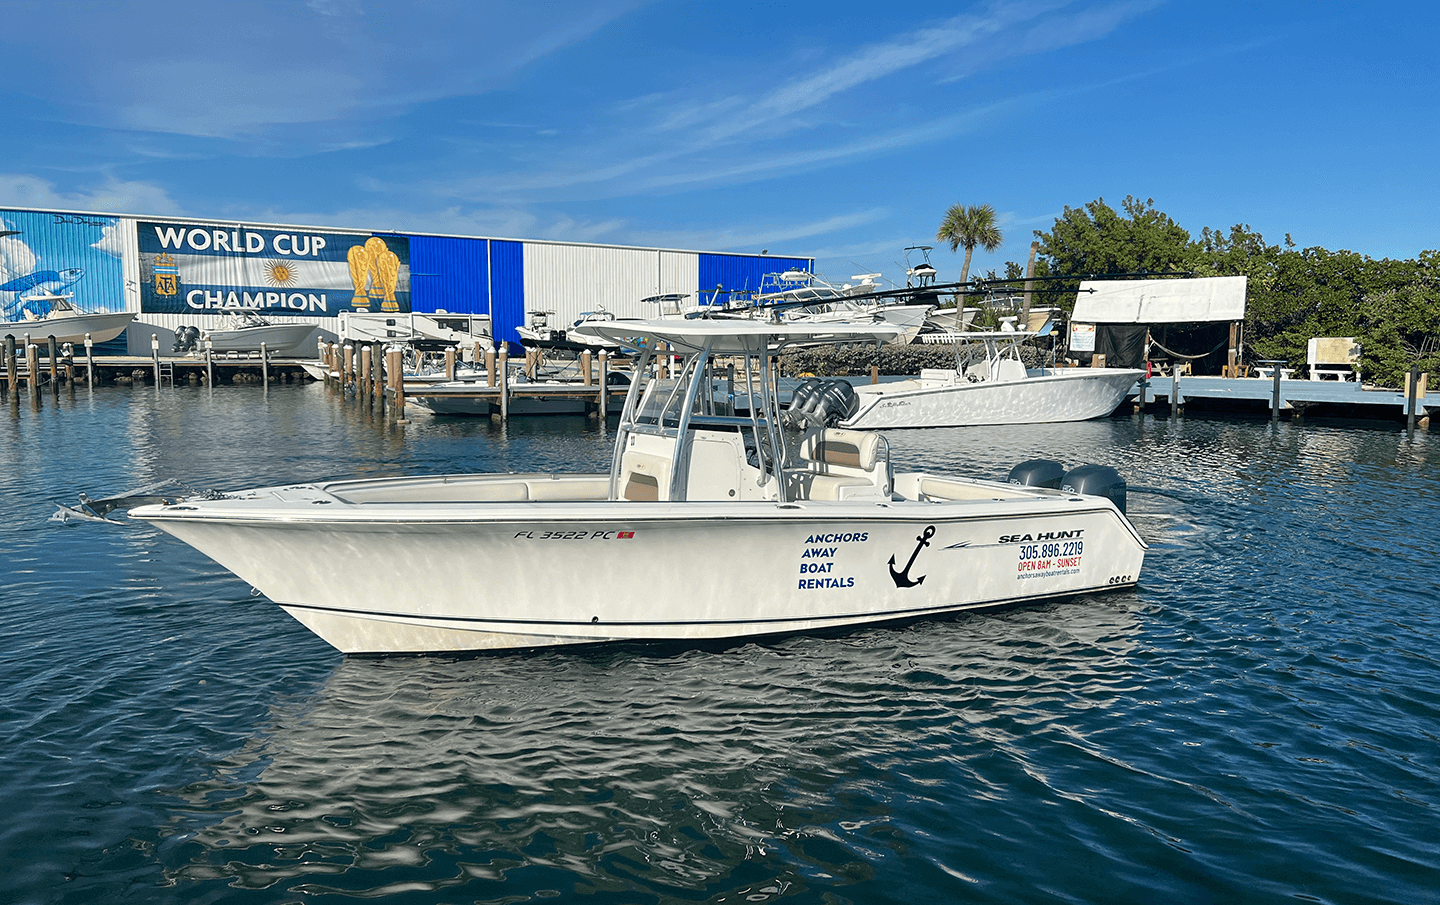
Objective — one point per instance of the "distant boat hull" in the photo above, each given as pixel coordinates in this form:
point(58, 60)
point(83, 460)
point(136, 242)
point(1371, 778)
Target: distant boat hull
point(276, 337)
point(1047, 396)
point(71, 328)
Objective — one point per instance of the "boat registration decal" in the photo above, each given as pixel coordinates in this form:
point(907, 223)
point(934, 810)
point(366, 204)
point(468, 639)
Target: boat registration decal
point(575, 535)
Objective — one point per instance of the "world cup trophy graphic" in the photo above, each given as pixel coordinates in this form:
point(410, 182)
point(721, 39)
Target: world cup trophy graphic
point(358, 257)
point(384, 273)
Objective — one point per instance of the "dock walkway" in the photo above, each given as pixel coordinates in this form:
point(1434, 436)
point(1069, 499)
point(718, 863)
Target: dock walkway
point(1295, 395)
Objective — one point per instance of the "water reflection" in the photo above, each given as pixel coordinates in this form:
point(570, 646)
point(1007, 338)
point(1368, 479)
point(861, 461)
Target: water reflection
point(628, 769)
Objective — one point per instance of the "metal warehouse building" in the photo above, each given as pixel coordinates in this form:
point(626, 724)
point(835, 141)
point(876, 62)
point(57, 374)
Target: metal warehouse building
point(175, 272)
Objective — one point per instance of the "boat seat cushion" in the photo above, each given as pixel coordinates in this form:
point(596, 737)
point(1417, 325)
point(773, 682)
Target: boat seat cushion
point(834, 487)
point(843, 448)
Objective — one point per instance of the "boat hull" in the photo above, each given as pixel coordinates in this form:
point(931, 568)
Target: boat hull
point(276, 337)
point(449, 576)
point(72, 329)
point(1063, 394)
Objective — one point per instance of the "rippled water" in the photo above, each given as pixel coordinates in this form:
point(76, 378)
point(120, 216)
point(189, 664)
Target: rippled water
point(1256, 722)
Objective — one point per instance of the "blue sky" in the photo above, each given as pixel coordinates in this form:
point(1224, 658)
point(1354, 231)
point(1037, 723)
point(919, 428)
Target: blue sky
point(839, 130)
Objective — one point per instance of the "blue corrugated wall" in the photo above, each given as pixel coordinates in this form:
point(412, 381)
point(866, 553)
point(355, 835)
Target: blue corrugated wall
point(448, 274)
point(742, 272)
point(507, 282)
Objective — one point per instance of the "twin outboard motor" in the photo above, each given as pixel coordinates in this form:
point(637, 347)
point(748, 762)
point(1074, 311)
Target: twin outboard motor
point(1096, 480)
point(1092, 480)
point(822, 403)
point(187, 339)
point(1037, 473)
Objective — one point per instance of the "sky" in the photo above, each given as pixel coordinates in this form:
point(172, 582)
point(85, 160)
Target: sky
point(836, 130)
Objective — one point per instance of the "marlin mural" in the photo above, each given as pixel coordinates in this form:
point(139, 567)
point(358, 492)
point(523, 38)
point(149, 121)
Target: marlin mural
point(47, 282)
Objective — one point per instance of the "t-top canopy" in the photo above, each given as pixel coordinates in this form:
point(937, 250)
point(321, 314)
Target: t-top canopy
point(1202, 300)
point(727, 336)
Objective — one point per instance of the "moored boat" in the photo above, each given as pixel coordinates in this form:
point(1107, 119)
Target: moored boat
point(817, 528)
point(246, 331)
point(996, 389)
point(43, 316)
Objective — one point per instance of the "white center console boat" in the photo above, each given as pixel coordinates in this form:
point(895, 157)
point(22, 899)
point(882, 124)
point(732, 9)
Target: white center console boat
point(815, 529)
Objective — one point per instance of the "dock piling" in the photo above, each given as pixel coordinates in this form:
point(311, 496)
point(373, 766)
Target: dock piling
point(396, 368)
point(1412, 387)
point(209, 363)
point(32, 366)
point(54, 350)
point(1174, 392)
point(450, 362)
point(89, 361)
point(11, 378)
point(155, 357)
point(604, 394)
point(264, 366)
point(504, 383)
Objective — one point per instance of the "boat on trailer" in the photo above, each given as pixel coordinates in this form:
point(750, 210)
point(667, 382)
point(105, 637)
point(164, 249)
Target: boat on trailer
point(817, 528)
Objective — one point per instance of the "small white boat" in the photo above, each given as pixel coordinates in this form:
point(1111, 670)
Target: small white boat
point(798, 296)
point(538, 334)
point(527, 397)
point(433, 330)
point(997, 389)
point(813, 527)
point(67, 323)
point(244, 332)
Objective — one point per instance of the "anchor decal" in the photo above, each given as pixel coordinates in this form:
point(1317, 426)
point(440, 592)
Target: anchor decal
point(902, 578)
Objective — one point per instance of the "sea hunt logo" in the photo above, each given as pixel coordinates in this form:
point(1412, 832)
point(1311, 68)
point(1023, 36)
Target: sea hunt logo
point(1044, 535)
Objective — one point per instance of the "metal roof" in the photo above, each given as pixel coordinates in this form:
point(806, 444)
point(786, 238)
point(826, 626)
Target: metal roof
point(1186, 301)
point(727, 336)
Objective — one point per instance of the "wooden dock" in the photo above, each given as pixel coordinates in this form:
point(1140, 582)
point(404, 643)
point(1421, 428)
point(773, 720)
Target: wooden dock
point(1296, 397)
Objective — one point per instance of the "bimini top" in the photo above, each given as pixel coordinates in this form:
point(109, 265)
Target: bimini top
point(728, 336)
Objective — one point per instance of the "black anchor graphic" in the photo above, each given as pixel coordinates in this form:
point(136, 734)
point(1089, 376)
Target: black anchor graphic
point(902, 578)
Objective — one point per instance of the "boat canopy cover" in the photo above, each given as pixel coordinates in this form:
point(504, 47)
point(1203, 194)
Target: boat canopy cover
point(1186, 301)
point(733, 336)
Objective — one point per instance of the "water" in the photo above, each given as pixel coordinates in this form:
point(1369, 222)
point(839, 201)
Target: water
point(1256, 722)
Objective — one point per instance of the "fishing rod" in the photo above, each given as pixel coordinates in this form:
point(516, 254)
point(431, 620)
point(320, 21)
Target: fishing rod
point(969, 287)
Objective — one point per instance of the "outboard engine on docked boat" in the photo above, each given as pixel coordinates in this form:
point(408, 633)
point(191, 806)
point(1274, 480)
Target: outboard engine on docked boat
point(1038, 473)
point(187, 339)
point(1096, 480)
point(822, 403)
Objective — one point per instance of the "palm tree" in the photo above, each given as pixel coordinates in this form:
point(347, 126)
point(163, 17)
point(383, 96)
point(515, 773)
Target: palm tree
point(969, 226)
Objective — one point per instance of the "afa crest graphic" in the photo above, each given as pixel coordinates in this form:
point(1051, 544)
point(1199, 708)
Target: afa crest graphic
point(167, 275)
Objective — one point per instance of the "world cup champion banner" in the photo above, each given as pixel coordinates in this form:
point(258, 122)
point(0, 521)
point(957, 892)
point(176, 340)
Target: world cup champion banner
point(209, 269)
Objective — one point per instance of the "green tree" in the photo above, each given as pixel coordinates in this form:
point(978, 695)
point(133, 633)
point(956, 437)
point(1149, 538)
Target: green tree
point(969, 227)
point(1095, 240)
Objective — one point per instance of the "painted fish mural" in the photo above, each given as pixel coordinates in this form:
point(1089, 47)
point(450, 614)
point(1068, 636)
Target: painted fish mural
point(47, 282)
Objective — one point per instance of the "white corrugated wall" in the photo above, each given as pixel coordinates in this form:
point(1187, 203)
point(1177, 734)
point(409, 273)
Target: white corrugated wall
point(571, 279)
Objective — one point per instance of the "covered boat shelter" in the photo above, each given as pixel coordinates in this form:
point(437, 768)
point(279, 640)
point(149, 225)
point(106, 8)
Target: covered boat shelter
point(1195, 325)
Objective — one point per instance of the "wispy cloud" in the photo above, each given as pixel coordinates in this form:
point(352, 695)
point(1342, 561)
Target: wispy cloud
point(117, 195)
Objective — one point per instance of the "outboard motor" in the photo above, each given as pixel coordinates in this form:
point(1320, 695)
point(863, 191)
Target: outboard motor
point(192, 337)
point(1097, 480)
point(800, 400)
point(1038, 473)
point(835, 402)
point(823, 403)
point(179, 344)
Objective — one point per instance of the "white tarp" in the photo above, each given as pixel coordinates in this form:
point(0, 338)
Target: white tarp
point(1201, 300)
